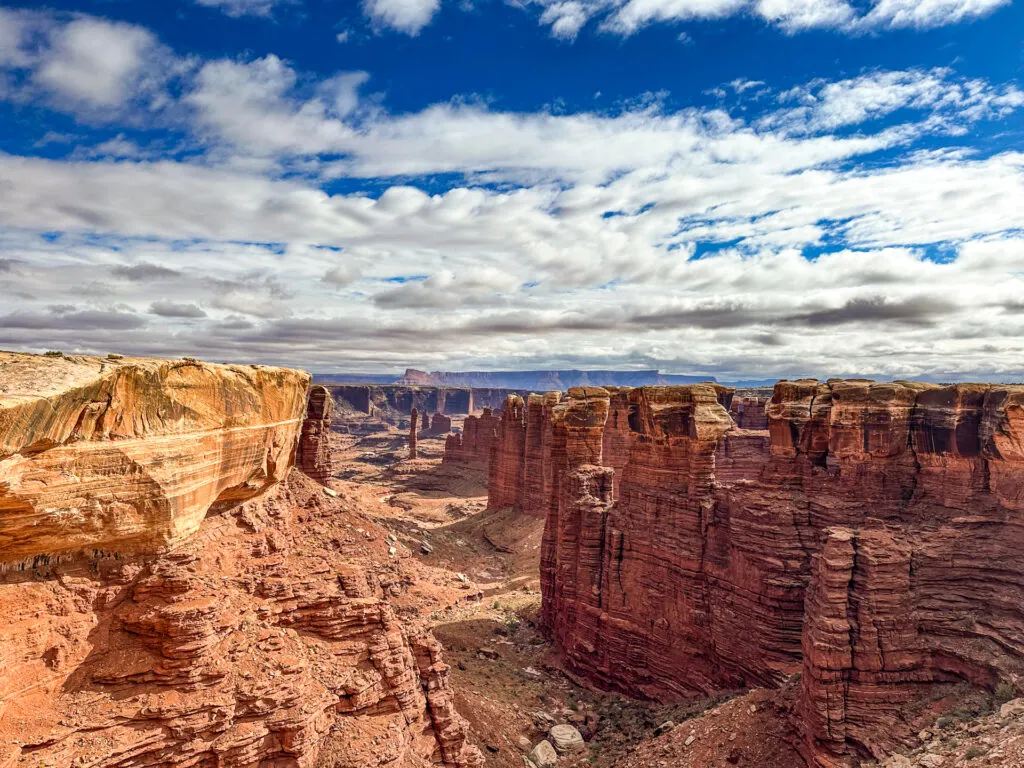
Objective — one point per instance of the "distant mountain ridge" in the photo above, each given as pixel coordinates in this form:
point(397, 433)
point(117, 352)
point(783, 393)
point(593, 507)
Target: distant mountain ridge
point(532, 380)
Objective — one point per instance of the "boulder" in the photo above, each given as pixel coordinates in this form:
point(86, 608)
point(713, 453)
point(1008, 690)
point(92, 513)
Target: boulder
point(544, 756)
point(566, 739)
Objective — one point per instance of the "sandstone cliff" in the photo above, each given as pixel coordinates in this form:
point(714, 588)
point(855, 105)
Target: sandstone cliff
point(867, 539)
point(129, 455)
point(473, 445)
point(224, 611)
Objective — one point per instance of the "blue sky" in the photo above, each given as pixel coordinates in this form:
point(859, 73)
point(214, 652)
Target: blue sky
point(747, 188)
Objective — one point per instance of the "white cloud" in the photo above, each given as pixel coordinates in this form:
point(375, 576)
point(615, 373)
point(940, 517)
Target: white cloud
point(892, 14)
point(635, 14)
point(566, 19)
point(242, 7)
point(16, 28)
point(94, 61)
point(826, 106)
point(625, 17)
point(565, 239)
point(797, 15)
point(408, 16)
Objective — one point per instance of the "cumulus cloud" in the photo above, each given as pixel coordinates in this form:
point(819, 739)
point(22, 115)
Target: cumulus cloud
point(841, 226)
point(95, 61)
point(408, 16)
point(94, 68)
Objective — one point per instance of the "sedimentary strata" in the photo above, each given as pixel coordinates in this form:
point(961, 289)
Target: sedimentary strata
point(413, 418)
point(398, 400)
point(226, 610)
point(129, 455)
point(473, 445)
point(314, 452)
point(869, 538)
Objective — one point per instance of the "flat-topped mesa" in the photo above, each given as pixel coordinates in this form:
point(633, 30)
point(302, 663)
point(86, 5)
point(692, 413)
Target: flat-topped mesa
point(129, 455)
point(473, 446)
point(314, 452)
point(867, 538)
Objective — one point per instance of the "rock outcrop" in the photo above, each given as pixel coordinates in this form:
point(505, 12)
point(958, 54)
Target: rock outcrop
point(473, 445)
point(314, 452)
point(413, 418)
point(130, 455)
point(866, 539)
point(748, 411)
point(440, 424)
point(226, 611)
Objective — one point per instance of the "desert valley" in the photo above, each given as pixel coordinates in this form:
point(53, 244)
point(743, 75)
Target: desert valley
point(232, 566)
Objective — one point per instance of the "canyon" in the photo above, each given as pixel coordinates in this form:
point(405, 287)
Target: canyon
point(228, 565)
point(865, 543)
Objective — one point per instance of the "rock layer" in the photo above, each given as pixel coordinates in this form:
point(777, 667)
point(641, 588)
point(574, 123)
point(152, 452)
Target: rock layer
point(473, 445)
point(129, 455)
point(314, 452)
point(866, 538)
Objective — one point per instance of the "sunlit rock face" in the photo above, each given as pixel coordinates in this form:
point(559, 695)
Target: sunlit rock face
point(869, 538)
point(195, 602)
point(130, 455)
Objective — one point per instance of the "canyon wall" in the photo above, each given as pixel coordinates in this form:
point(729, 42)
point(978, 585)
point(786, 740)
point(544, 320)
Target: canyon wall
point(173, 595)
point(867, 539)
point(399, 400)
point(473, 445)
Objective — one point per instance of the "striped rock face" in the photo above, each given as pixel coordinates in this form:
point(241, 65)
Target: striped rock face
point(866, 535)
point(129, 455)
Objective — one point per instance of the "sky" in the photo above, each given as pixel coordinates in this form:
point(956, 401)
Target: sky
point(739, 188)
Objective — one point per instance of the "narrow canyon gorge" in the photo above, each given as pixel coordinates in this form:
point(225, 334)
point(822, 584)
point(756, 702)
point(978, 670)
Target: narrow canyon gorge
point(224, 566)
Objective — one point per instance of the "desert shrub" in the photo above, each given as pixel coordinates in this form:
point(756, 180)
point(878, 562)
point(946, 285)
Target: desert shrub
point(1003, 693)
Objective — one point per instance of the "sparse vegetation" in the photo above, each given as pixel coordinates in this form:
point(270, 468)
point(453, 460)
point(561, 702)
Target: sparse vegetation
point(53, 353)
point(974, 751)
point(1003, 693)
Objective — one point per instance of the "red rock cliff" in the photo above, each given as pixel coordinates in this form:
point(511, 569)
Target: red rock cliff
point(867, 539)
point(473, 445)
point(260, 635)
